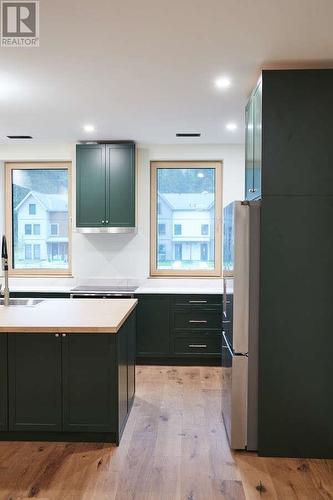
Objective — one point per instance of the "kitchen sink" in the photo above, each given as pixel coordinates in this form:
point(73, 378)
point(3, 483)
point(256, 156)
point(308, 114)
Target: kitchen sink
point(22, 302)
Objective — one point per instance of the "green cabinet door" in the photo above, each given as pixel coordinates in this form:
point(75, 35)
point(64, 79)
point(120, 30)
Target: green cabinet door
point(249, 119)
point(3, 383)
point(257, 138)
point(89, 394)
point(296, 324)
point(90, 185)
point(153, 325)
point(120, 194)
point(34, 376)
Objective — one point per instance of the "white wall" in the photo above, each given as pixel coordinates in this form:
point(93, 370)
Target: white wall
point(127, 256)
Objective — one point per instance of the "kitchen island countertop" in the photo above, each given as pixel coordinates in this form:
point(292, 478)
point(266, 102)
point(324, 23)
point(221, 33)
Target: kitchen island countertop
point(67, 316)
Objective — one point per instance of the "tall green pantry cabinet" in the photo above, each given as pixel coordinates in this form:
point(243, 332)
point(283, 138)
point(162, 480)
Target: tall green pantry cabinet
point(105, 187)
point(292, 170)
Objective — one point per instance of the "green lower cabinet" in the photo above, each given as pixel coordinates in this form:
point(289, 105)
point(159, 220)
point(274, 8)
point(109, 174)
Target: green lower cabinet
point(176, 328)
point(197, 318)
point(67, 387)
point(197, 344)
point(34, 376)
point(40, 295)
point(153, 326)
point(3, 383)
point(89, 398)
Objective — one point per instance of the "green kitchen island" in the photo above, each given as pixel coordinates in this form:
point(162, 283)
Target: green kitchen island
point(67, 370)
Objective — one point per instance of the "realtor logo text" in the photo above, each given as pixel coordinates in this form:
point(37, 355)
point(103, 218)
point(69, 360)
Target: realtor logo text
point(20, 24)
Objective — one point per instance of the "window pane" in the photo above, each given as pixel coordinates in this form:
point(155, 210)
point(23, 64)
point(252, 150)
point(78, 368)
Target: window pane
point(40, 218)
point(186, 210)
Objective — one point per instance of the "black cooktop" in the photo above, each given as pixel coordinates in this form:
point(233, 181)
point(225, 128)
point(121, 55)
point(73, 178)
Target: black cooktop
point(107, 289)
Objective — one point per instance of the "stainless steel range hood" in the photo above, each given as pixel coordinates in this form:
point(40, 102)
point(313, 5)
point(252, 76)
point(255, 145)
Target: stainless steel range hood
point(106, 230)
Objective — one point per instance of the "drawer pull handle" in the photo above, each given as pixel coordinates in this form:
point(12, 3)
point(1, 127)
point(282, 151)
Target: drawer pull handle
point(198, 301)
point(197, 321)
point(200, 346)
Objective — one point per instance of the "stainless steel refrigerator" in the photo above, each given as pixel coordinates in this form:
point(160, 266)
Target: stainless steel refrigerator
point(240, 343)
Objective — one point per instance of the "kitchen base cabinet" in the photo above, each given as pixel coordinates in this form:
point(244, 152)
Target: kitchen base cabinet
point(89, 400)
point(153, 326)
point(3, 383)
point(34, 382)
point(179, 329)
point(67, 387)
point(39, 295)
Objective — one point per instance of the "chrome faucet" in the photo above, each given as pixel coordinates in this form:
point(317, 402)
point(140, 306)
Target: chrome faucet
point(4, 259)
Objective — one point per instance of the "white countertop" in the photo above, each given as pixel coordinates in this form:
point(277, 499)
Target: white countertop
point(193, 286)
point(67, 316)
point(204, 286)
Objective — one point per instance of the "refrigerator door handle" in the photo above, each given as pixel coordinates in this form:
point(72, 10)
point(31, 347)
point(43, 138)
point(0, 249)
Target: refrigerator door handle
point(227, 344)
point(225, 296)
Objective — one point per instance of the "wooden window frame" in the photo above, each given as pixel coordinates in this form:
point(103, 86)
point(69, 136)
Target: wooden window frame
point(183, 273)
point(40, 165)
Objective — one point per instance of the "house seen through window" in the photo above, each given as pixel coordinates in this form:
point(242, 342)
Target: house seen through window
point(40, 217)
point(187, 201)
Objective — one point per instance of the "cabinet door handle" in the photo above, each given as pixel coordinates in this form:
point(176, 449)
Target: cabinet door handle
point(199, 346)
point(56, 334)
point(252, 190)
point(63, 334)
point(103, 221)
point(197, 301)
point(197, 321)
point(106, 222)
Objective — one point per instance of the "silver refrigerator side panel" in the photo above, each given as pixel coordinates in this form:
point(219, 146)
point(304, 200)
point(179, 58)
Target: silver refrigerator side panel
point(254, 270)
point(234, 396)
point(241, 277)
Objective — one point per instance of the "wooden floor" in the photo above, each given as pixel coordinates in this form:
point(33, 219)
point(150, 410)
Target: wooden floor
point(174, 447)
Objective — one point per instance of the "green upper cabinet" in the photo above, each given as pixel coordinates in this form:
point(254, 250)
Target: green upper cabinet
point(297, 131)
point(253, 141)
point(90, 185)
point(249, 150)
point(105, 185)
point(120, 179)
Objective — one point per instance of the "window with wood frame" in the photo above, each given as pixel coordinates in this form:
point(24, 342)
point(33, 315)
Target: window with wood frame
point(38, 218)
point(186, 201)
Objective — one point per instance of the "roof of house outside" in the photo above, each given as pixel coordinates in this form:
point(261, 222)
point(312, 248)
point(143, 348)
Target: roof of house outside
point(189, 201)
point(51, 202)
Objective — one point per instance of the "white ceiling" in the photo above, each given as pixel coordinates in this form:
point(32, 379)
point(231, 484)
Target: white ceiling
point(145, 69)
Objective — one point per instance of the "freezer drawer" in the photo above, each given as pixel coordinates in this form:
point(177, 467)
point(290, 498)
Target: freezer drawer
point(234, 397)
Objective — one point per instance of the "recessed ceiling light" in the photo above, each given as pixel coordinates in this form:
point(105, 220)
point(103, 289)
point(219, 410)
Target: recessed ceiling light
point(231, 126)
point(223, 82)
point(19, 136)
point(188, 134)
point(89, 128)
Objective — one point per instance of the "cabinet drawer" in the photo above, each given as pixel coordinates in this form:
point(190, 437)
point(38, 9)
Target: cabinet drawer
point(198, 318)
point(197, 300)
point(197, 344)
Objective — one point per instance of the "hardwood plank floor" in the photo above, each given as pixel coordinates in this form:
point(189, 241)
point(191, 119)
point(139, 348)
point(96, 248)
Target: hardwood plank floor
point(174, 447)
